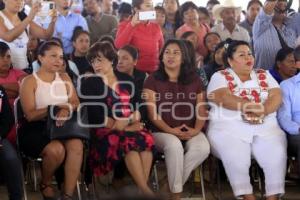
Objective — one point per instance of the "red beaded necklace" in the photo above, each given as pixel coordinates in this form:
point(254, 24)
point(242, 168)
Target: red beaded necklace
point(250, 94)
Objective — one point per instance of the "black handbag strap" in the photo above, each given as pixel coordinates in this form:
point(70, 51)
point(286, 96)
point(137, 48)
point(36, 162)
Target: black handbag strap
point(281, 40)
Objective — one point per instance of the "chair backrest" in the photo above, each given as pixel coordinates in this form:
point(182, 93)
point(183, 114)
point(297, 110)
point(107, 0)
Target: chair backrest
point(18, 115)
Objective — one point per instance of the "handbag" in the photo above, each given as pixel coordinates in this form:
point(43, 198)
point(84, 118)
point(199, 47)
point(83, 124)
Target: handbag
point(71, 127)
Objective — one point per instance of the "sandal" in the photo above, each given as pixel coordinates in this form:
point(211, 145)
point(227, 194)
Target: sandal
point(42, 188)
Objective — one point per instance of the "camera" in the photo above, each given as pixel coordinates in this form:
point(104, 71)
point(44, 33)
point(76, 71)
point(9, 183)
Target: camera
point(147, 15)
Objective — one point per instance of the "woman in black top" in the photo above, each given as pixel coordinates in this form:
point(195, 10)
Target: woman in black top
point(10, 166)
point(118, 133)
point(81, 44)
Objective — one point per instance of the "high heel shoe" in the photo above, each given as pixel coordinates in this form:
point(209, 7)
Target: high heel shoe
point(44, 187)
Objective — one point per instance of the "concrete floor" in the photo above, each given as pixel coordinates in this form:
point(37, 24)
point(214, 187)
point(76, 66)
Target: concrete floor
point(191, 191)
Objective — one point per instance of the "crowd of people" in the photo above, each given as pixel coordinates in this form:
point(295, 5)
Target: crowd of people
point(194, 81)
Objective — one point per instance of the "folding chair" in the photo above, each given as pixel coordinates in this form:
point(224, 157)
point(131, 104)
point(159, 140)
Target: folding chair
point(19, 118)
point(158, 157)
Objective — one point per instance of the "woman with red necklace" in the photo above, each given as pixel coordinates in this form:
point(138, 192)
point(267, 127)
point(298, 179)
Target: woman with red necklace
point(243, 122)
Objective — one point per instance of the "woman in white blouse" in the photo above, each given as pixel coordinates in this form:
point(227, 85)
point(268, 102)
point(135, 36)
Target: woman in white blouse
point(243, 122)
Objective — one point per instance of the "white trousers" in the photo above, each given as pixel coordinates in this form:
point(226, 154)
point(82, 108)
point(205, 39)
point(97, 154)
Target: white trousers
point(269, 152)
point(181, 161)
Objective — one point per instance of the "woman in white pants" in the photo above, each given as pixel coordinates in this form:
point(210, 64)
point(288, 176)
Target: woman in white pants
point(243, 122)
point(177, 111)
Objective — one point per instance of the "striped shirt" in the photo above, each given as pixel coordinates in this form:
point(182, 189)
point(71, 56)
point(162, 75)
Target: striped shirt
point(266, 40)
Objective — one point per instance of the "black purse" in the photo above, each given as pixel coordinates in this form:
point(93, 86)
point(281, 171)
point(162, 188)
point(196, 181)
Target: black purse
point(72, 128)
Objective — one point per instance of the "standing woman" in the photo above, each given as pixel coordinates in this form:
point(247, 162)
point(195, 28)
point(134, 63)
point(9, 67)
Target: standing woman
point(38, 91)
point(146, 36)
point(14, 32)
point(177, 111)
point(118, 134)
point(172, 18)
point(190, 14)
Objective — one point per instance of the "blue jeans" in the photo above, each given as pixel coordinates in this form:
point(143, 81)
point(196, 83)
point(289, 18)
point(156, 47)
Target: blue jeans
point(10, 169)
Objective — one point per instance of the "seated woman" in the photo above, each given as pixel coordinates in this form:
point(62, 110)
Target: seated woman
point(9, 77)
point(10, 165)
point(177, 135)
point(217, 62)
point(127, 59)
point(68, 66)
point(120, 134)
point(38, 91)
point(243, 123)
point(211, 40)
point(193, 38)
point(189, 13)
point(81, 44)
point(285, 65)
point(288, 115)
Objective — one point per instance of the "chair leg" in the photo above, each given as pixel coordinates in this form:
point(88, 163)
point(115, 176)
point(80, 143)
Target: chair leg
point(202, 182)
point(219, 181)
point(78, 190)
point(34, 176)
point(156, 184)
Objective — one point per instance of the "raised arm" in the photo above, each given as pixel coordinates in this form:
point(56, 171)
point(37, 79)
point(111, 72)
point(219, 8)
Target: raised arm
point(125, 32)
point(12, 34)
point(264, 19)
point(42, 33)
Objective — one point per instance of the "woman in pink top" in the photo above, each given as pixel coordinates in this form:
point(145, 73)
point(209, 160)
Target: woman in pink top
point(9, 77)
point(146, 36)
point(190, 15)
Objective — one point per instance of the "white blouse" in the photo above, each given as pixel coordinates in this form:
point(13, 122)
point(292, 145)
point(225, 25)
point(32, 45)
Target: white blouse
point(227, 121)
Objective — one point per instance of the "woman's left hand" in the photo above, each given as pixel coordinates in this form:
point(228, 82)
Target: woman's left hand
point(62, 116)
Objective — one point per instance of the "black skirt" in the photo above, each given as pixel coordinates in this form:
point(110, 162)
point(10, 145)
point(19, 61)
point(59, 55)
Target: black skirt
point(33, 138)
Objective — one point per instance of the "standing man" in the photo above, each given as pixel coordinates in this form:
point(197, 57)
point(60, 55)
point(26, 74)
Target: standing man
point(253, 8)
point(99, 23)
point(228, 28)
point(270, 33)
point(66, 22)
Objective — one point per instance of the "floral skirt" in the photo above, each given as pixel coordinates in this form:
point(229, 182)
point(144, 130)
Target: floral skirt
point(109, 147)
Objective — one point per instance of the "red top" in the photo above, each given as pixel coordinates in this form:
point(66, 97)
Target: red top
point(204, 29)
point(147, 38)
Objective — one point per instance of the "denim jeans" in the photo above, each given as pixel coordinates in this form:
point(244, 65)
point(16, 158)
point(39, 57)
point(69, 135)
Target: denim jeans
point(10, 169)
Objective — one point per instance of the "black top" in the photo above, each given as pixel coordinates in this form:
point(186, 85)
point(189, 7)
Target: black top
point(6, 116)
point(211, 68)
point(82, 64)
point(107, 103)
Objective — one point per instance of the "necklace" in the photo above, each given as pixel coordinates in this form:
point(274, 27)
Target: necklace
point(250, 94)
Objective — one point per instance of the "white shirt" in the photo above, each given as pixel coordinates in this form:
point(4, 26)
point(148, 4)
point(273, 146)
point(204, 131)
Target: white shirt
point(225, 121)
point(239, 33)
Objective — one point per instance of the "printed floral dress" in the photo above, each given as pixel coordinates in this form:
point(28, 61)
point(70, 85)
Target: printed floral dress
point(108, 147)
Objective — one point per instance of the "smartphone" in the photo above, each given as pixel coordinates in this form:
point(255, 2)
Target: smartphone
point(46, 7)
point(147, 15)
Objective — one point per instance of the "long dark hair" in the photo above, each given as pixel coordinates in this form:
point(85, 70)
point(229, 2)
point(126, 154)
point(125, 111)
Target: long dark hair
point(187, 70)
